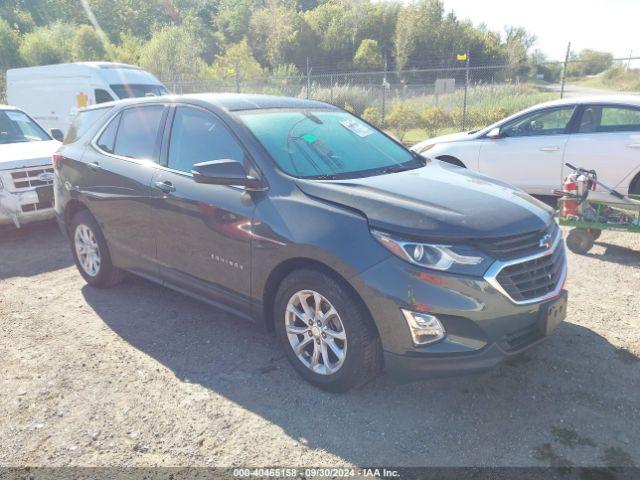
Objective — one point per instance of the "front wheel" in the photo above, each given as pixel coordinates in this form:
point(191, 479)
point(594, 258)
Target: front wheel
point(327, 334)
point(90, 252)
point(580, 241)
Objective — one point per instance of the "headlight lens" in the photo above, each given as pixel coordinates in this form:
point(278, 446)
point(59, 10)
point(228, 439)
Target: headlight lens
point(451, 258)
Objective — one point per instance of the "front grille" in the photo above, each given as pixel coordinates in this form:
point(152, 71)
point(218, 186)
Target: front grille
point(507, 248)
point(522, 338)
point(34, 207)
point(28, 178)
point(534, 278)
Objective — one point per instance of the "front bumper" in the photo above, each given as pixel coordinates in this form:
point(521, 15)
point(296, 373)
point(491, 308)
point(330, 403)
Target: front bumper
point(23, 207)
point(484, 326)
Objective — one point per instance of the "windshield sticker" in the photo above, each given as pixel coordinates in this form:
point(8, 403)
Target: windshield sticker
point(357, 128)
point(16, 116)
point(307, 137)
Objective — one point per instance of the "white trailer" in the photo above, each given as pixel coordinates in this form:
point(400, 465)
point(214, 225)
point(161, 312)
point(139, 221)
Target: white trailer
point(52, 94)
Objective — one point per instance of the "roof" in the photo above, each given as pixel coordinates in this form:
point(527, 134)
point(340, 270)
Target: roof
point(7, 107)
point(624, 99)
point(230, 102)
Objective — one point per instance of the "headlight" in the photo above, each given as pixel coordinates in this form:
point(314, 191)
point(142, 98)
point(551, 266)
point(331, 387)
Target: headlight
point(451, 258)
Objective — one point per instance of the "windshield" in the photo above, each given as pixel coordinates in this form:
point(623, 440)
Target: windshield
point(326, 143)
point(16, 126)
point(138, 90)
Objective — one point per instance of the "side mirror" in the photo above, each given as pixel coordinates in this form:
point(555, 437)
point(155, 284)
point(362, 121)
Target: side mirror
point(494, 133)
point(224, 172)
point(57, 134)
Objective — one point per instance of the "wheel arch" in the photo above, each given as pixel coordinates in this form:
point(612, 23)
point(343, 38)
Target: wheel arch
point(72, 207)
point(452, 160)
point(280, 272)
point(634, 185)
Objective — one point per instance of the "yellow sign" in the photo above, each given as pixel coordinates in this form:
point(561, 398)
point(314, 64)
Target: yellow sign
point(462, 57)
point(82, 99)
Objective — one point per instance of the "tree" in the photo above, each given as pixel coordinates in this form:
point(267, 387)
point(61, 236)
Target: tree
point(517, 43)
point(48, 45)
point(9, 41)
point(236, 62)
point(368, 54)
point(128, 50)
point(87, 45)
point(590, 62)
point(173, 54)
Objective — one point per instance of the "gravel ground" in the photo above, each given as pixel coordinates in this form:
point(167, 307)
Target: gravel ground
point(140, 375)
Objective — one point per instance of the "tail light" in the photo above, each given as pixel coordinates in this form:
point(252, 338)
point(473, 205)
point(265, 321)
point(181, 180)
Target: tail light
point(55, 158)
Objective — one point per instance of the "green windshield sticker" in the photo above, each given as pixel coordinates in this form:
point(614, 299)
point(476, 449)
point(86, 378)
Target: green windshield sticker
point(307, 137)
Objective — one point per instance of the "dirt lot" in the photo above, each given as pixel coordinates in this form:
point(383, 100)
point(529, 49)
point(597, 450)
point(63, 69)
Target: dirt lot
point(140, 375)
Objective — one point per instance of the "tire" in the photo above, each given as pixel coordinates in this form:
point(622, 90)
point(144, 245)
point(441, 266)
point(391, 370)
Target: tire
point(362, 352)
point(595, 233)
point(85, 231)
point(580, 241)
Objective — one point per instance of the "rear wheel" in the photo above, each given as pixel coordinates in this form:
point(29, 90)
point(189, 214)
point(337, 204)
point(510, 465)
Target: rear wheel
point(327, 335)
point(580, 241)
point(90, 252)
point(595, 233)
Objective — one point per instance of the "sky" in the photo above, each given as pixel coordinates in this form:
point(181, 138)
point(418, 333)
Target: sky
point(609, 25)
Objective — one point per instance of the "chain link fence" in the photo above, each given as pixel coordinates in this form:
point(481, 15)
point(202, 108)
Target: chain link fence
point(418, 103)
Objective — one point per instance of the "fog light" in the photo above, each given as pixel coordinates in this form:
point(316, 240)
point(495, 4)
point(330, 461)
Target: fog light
point(424, 328)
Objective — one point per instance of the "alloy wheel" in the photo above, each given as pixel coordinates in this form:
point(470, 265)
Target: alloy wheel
point(315, 332)
point(87, 250)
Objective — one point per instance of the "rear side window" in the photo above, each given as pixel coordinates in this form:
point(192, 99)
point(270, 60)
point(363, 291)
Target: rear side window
point(82, 122)
point(602, 119)
point(102, 96)
point(137, 135)
point(198, 136)
point(107, 140)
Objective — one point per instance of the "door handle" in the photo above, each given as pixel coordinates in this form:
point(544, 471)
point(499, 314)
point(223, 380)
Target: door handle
point(166, 186)
point(94, 166)
point(633, 145)
point(550, 149)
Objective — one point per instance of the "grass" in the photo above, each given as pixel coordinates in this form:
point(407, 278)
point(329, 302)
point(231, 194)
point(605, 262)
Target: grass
point(616, 78)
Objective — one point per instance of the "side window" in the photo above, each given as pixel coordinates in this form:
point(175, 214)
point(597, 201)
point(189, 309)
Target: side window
point(102, 96)
point(108, 138)
point(198, 136)
point(138, 132)
point(619, 119)
point(83, 120)
point(547, 122)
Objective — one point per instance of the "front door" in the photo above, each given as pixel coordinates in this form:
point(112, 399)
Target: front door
point(204, 231)
point(530, 151)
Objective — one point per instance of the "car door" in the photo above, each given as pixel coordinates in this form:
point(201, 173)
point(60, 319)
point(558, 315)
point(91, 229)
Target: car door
point(204, 231)
point(529, 151)
point(119, 166)
point(607, 140)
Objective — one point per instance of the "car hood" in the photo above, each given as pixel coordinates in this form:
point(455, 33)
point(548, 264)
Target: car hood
point(438, 201)
point(26, 154)
point(452, 137)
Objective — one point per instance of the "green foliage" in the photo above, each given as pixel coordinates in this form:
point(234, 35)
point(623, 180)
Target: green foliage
point(48, 45)
point(128, 50)
point(589, 62)
point(373, 116)
point(433, 119)
point(368, 54)
point(9, 41)
point(236, 62)
point(173, 54)
point(403, 116)
point(87, 45)
point(356, 98)
point(617, 78)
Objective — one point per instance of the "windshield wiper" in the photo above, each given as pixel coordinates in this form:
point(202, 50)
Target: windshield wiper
point(398, 168)
point(325, 176)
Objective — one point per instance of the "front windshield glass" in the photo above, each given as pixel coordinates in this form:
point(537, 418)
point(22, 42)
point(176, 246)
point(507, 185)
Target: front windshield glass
point(138, 90)
point(326, 143)
point(17, 127)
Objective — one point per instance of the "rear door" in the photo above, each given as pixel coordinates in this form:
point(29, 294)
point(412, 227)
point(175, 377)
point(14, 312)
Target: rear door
point(117, 184)
point(530, 152)
point(204, 231)
point(608, 141)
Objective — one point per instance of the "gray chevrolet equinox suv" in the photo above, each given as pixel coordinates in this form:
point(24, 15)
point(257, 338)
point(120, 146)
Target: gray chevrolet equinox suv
point(295, 214)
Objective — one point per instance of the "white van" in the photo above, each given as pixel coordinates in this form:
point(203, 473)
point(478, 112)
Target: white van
point(52, 94)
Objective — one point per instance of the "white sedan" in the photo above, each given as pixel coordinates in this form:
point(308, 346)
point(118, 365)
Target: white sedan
point(26, 172)
point(529, 149)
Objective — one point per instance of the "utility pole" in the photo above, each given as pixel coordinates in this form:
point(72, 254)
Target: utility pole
point(629, 62)
point(564, 70)
point(384, 90)
point(237, 78)
point(466, 88)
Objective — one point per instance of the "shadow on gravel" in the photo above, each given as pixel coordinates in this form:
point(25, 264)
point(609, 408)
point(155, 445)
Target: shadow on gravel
point(617, 254)
point(32, 250)
point(498, 418)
